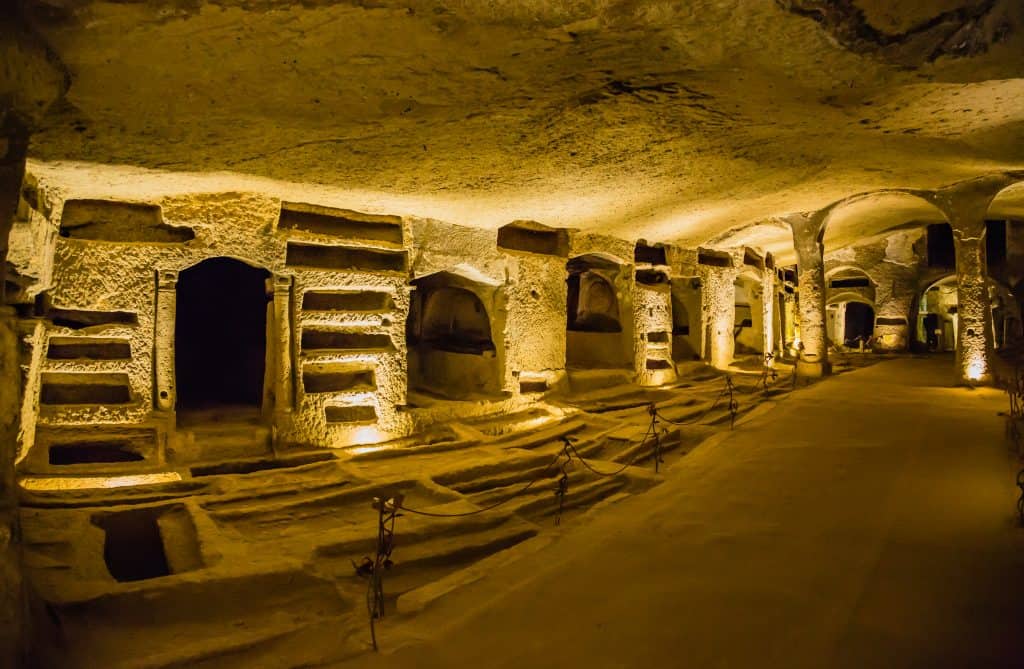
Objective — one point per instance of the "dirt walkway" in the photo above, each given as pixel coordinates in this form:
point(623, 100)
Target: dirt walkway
point(867, 521)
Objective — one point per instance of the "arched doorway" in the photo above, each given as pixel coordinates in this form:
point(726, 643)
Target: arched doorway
point(595, 337)
point(220, 336)
point(858, 324)
point(451, 349)
point(936, 317)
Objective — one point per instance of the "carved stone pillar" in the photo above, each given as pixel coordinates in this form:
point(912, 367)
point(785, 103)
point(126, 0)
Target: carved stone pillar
point(808, 232)
point(165, 391)
point(283, 386)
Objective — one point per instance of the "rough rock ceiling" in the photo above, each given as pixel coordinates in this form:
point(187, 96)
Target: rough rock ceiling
point(668, 120)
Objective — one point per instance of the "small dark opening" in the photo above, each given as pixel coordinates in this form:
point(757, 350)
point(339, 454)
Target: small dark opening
point(657, 337)
point(850, 283)
point(220, 334)
point(533, 386)
point(133, 548)
point(654, 255)
point(714, 258)
point(860, 323)
point(941, 250)
point(92, 453)
point(651, 277)
point(995, 243)
point(338, 301)
point(653, 364)
point(350, 414)
point(327, 340)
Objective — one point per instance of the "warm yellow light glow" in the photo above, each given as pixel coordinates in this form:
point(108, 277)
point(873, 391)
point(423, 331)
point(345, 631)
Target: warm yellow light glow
point(976, 370)
point(368, 434)
point(88, 482)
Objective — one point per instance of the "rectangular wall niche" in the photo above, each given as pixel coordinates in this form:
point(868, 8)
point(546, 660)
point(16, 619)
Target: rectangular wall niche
point(714, 258)
point(534, 237)
point(340, 222)
point(344, 258)
point(850, 283)
point(323, 300)
point(351, 414)
point(126, 222)
point(656, 364)
point(93, 453)
point(321, 340)
point(651, 254)
point(658, 337)
point(334, 379)
point(79, 319)
point(84, 388)
point(751, 259)
point(890, 321)
point(88, 348)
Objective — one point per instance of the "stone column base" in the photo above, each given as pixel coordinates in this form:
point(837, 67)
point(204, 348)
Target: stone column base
point(813, 369)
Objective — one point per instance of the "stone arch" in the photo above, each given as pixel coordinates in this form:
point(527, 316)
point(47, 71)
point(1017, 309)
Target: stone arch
point(876, 213)
point(449, 329)
point(936, 317)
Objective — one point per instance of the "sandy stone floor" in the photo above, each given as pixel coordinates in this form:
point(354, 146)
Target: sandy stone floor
point(867, 521)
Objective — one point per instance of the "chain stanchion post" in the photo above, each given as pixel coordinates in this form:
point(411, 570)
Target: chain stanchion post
point(562, 488)
point(733, 404)
point(653, 411)
point(373, 569)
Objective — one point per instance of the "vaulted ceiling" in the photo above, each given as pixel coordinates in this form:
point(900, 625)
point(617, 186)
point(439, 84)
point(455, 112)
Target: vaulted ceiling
point(686, 120)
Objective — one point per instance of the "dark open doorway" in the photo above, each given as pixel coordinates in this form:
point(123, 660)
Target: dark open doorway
point(859, 324)
point(220, 335)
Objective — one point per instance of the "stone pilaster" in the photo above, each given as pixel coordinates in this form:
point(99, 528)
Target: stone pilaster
point(283, 373)
point(165, 392)
point(808, 233)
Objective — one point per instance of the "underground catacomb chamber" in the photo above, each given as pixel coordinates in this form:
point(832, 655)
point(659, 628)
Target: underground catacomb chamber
point(451, 350)
point(221, 335)
point(595, 337)
point(148, 542)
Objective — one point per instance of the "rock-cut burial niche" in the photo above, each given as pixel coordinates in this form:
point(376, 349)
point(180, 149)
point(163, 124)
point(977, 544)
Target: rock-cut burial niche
point(595, 337)
point(451, 351)
point(749, 321)
point(221, 336)
point(686, 324)
point(125, 222)
point(148, 542)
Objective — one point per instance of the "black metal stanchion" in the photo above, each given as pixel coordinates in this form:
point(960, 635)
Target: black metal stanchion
point(373, 569)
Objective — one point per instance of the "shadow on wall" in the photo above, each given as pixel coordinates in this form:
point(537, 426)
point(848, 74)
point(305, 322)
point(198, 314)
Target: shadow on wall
point(594, 332)
point(451, 350)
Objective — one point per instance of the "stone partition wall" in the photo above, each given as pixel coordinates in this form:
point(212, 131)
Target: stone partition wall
point(893, 264)
point(119, 296)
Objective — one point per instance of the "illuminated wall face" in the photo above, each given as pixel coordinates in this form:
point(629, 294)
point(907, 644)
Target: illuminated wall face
point(719, 314)
point(974, 314)
point(652, 312)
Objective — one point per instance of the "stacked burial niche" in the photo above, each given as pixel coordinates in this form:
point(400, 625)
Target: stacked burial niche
point(595, 337)
point(221, 337)
point(449, 334)
point(686, 319)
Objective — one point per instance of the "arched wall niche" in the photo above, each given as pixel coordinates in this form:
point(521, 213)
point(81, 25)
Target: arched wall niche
point(596, 334)
point(749, 314)
point(449, 332)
